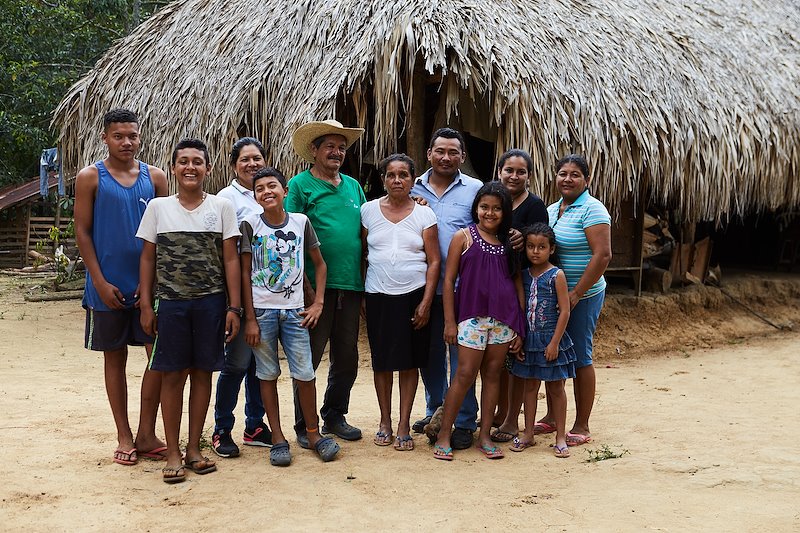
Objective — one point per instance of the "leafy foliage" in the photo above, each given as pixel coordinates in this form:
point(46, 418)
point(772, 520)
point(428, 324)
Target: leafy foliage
point(45, 47)
point(604, 453)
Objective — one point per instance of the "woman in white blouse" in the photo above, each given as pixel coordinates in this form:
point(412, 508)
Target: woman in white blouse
point(402, 247)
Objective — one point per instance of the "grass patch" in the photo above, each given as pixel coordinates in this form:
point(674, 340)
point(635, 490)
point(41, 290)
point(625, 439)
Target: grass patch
point(605, 453)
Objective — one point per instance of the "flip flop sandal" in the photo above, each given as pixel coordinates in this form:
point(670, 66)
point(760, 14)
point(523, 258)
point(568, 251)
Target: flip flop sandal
point(561, 452)
point(491, 452)
point(502, 436)
point(127, 458)
point(382, 438)
point(327, 449)
point(156, 454)
point(520, 445)
point(440, 452)
point(404, 443)
point(210, 466)
point(576, 439)
point(543, 428)
point(280, 455)
point(173, 475)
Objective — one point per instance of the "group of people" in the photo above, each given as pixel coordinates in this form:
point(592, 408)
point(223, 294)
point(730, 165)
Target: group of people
point(447, 271)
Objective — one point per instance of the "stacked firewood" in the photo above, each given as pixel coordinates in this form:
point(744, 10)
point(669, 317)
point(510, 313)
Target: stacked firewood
point(670, 261)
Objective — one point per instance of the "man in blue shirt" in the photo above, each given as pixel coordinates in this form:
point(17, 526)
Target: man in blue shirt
point(450, 194)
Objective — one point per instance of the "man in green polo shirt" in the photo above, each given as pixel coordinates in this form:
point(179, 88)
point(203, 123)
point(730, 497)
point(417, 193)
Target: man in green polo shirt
point(332, 202)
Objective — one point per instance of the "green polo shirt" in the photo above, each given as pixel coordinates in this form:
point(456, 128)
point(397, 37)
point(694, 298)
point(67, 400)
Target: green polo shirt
point(335, 214)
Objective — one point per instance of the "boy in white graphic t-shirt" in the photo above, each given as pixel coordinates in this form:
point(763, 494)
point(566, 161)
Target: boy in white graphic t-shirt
point(273, 249)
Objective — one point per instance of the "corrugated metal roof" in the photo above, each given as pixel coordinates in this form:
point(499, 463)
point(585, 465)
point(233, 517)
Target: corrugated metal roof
point(15, 194)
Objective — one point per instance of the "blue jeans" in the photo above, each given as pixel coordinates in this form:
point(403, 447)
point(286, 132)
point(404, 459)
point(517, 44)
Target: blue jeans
point(283, 324)
point(239, 364)
point(581, 326)
point(434, 376)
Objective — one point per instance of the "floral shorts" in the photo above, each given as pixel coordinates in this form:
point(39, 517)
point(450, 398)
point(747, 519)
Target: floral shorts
point(478, 332)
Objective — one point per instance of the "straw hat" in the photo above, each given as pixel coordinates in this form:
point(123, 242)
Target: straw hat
point(305, 135)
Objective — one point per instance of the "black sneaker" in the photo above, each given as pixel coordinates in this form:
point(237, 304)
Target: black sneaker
point(342, 429)
point(461, 439)
point(223, 444)
point(419, 425)
point(260, 436)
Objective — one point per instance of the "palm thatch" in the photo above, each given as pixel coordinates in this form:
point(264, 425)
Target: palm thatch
point(696, 106)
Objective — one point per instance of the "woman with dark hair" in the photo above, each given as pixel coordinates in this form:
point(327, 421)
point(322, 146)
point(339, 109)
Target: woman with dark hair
point(402, 246)
point(247, 157)
point(583, 239)
point(514, 170)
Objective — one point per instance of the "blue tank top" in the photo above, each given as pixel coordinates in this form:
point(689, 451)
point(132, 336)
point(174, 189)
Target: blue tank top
point(117, 213)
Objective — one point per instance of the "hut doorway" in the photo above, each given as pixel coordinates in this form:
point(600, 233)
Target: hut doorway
point(444, 104)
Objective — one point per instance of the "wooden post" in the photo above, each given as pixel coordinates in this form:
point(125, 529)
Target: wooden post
point(57, 221)
point(27, 235)
point(415, 125)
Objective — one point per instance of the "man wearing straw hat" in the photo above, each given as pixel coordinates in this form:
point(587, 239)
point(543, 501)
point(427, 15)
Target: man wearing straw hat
point(332, 201)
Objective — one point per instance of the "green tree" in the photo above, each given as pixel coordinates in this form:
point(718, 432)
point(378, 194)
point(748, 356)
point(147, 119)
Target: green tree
point(45, 47)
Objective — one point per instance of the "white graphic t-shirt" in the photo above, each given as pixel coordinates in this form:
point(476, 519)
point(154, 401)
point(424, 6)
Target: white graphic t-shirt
point(277, 255)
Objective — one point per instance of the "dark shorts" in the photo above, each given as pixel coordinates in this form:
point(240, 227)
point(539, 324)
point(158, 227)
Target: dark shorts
point(191, 334)
point(107, 331)
point(393, 341)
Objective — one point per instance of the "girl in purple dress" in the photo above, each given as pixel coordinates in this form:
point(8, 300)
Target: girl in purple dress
point(483, 315)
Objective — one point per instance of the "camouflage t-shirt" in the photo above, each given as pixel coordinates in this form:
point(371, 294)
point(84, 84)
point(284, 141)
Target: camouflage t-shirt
point(188, 245)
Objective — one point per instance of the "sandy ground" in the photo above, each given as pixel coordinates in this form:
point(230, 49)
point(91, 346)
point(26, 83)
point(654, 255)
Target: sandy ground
point(704, 431)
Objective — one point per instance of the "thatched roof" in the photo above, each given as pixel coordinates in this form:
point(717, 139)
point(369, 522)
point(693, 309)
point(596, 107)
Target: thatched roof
point(700, 105)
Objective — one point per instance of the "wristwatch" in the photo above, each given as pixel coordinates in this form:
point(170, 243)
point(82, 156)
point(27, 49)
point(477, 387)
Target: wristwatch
point(237, 310)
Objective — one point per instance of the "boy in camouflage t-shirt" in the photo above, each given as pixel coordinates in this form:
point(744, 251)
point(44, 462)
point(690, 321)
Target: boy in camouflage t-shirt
point(190, 264)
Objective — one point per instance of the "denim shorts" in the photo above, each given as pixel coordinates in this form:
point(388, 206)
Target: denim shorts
point(581, 326)
point(478, 332)
point(283, 324)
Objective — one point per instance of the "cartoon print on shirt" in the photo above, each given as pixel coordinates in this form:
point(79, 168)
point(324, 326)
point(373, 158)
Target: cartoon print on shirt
point(275, 262)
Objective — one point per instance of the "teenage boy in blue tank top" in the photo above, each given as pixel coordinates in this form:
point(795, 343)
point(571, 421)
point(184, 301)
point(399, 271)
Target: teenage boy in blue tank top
point(110, 198)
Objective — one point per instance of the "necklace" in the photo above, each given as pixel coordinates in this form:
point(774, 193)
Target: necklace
point(202, 199)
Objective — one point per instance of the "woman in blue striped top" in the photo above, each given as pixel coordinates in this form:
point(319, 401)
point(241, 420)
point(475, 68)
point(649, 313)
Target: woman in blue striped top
point(583, 242)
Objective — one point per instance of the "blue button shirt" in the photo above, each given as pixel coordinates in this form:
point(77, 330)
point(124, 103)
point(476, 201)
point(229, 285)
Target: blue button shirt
point(452, 209)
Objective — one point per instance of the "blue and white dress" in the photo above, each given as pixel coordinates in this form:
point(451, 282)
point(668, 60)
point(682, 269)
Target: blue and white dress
point(541, 315)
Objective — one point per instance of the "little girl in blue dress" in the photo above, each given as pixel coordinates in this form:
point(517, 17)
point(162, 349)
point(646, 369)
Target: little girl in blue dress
point(547, 354)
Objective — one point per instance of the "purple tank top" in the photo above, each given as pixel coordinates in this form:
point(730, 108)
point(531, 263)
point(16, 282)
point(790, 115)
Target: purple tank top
point(485, 287)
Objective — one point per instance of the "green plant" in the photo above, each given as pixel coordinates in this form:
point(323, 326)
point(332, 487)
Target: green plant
point(66, 203)
point(40, 249)
point(604, 453)
point(65, 267)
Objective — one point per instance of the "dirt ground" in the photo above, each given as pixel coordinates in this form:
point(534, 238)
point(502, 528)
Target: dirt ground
point(696, 393)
